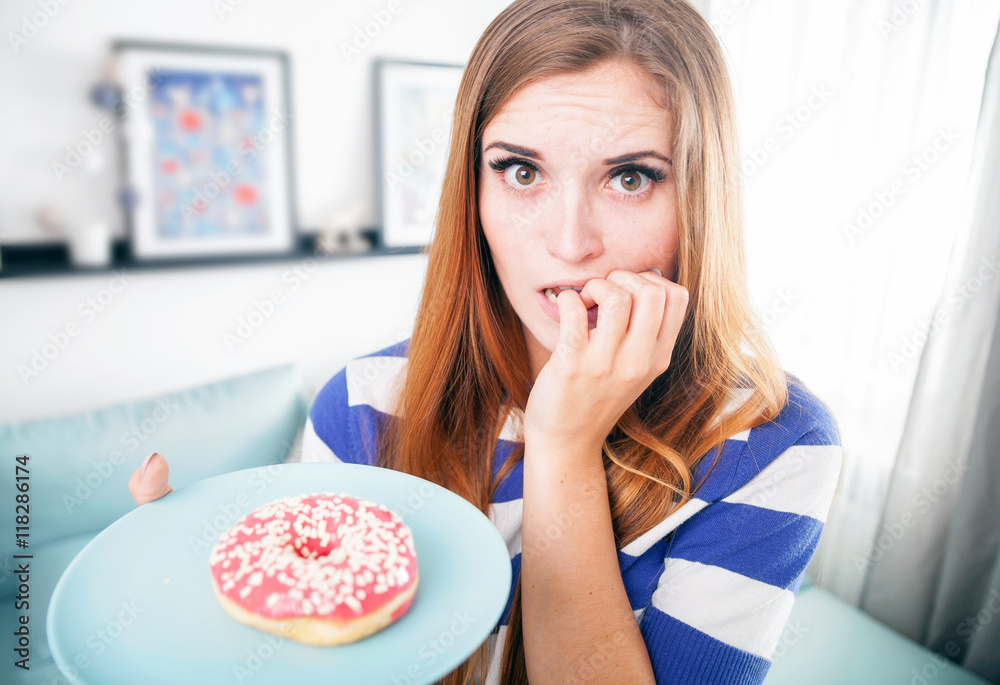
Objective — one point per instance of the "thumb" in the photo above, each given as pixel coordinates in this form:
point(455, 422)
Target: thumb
point(149, 481)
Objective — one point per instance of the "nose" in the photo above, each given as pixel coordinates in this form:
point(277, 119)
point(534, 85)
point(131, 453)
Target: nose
point(573, 236)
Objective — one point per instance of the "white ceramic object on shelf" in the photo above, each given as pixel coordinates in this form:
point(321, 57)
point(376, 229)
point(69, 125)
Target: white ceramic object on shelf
point(90, 245)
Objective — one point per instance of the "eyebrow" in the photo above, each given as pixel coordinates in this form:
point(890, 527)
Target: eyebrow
point(621, 159)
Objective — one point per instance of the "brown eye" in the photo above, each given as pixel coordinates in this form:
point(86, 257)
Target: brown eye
point(630, 181)
point(524, 175)
point(521, 174)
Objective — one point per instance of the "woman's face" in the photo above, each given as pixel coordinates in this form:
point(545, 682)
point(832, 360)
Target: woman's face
point(576, 181)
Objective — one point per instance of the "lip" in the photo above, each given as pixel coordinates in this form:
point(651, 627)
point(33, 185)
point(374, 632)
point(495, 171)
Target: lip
point(576, 284)
point(552, 309)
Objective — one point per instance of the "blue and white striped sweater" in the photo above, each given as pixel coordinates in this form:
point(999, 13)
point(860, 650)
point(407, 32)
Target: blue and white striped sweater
point(713, 584)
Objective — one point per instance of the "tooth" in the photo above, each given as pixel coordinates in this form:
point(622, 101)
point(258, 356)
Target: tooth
point(549, 294)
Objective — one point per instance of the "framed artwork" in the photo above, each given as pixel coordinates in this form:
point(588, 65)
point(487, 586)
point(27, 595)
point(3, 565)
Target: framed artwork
point(206, 142)
point(414, 105)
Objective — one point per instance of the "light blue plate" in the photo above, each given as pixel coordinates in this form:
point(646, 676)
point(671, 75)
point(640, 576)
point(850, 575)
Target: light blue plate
point(137, 605)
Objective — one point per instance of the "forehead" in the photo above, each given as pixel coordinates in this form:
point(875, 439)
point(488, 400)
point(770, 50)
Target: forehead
point(605, 108)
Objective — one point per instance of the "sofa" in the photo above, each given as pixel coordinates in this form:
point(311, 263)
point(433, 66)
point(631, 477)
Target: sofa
point(79, 466)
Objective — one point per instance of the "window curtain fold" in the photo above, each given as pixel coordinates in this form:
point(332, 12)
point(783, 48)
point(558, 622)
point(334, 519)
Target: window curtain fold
point(869, 131)
point(939, 582)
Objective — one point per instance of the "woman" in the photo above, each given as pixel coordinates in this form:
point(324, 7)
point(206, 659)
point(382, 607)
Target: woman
point(586, 366)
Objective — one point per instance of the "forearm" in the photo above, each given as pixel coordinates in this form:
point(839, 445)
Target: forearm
point(577, 621)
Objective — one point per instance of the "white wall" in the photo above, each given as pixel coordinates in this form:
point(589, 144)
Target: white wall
point(43, 102)
point(167, 329)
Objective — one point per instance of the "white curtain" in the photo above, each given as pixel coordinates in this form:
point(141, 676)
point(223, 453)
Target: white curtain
point(940, 529)
point(858, 120)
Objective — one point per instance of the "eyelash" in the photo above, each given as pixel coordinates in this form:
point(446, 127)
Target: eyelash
point(655, 176)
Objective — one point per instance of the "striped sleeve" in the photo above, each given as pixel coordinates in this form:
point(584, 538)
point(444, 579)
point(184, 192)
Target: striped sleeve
point(328, 431)
point(731, 571)
point(348, 413)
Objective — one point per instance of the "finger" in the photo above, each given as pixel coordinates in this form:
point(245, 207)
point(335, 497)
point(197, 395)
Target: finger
point(676, 293)
point(677, 304)
point(573, 328)
point(649, 300)
point(672, 318)
point(614, 305)
point(153, 484)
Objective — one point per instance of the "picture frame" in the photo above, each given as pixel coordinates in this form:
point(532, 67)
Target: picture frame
point(206, 143)
point(414, 105)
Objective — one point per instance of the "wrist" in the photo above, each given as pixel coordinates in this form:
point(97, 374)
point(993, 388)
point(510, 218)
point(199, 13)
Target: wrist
point(563, 453)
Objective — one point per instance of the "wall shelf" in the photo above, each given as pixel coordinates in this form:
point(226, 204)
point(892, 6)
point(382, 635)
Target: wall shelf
point(52, 259)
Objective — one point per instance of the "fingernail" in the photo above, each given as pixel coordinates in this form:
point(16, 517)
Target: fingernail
point(145, 464)
point(658, 273)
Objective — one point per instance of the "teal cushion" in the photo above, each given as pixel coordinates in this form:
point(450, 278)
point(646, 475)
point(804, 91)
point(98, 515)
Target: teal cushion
point(829, 642)
point(79, 466)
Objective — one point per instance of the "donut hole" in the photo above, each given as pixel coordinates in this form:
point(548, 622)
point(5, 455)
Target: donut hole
point(313, 548)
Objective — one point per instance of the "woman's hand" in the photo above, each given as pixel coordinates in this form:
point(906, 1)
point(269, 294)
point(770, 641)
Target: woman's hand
point(149, 481)
point(593, 376)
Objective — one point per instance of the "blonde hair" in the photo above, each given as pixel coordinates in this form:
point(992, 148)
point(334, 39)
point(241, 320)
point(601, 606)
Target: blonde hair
point(467, 361)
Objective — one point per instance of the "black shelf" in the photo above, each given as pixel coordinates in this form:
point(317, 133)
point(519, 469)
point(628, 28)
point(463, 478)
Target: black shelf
point(52, 259)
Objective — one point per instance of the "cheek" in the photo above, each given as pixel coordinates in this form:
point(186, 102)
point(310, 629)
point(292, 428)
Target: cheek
point(494, 209)
point(645, 229)
point(499, 233)
point(490, 220)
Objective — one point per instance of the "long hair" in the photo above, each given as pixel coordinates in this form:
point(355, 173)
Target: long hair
point(468, 366)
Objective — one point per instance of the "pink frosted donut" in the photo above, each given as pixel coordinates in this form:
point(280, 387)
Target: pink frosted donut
point(323, 568)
